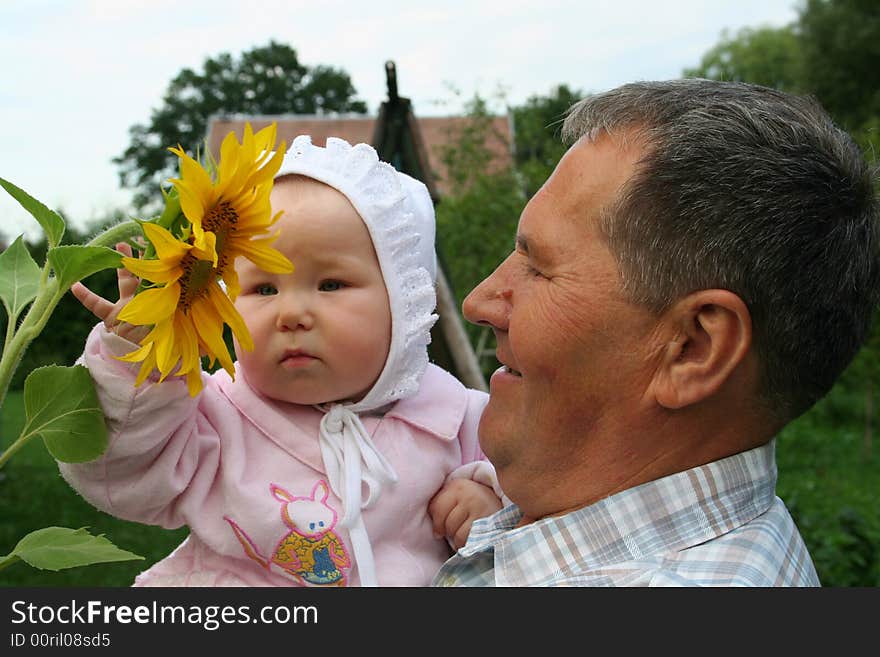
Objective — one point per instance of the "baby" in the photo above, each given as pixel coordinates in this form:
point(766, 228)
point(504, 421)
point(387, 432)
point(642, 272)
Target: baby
point(317, 464)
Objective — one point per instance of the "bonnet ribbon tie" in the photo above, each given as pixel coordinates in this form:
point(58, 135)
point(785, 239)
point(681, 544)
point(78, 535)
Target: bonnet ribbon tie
point(351, 460)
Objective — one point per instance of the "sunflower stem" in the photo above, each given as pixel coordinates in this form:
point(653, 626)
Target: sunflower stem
point(20, 442)
point(121, 232)
point(10, 332)
point(34, 321)
point(8, 560)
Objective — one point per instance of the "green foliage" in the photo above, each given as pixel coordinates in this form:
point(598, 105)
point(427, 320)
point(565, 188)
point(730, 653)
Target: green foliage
point(19, 278)
point(841, 46)
point(62, 407)
point(266, 80)
point(75, 262)
point(57, 548)
point(832, 51)
point(61, 403)
point(829, 481)
point(477, 220)
point(52, 224)
point(33, 495)
point(537, 126)
point(61, 342)
point(767, 56)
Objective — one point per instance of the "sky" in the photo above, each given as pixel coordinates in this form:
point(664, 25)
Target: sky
point(75, 75)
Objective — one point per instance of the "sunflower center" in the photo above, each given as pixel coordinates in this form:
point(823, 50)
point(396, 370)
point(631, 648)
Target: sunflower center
point(197, 275)
point(221, 218)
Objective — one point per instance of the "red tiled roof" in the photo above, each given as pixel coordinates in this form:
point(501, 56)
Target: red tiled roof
point(435, 132)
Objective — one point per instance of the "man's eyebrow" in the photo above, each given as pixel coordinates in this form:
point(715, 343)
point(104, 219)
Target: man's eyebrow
point(522, 243)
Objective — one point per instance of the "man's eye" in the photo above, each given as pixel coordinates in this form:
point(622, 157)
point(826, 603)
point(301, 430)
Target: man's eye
point(266, 290)
point(330, 286)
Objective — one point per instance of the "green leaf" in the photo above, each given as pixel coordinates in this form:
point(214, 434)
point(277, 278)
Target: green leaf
point(56, 548)
point(52, 223)
point(73, 263)
point(61, 405)
point(19, 278)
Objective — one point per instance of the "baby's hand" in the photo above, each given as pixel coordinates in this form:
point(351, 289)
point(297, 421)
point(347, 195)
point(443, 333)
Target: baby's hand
point(106, 310)
point(455, 507)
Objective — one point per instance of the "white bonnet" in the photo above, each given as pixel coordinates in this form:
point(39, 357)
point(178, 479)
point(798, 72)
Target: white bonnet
point(399, 215)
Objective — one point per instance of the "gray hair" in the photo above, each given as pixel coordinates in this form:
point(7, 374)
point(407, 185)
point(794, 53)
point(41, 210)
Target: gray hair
point(755, 191)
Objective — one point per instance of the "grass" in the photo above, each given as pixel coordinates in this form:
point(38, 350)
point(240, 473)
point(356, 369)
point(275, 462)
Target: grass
point(825, 477)
point(33, 495)
point(830, 481)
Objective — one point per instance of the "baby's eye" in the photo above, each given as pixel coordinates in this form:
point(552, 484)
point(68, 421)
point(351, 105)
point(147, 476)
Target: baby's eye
point(265, 289)
point(330, 286)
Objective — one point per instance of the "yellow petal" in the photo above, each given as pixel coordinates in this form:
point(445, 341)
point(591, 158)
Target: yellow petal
point(188, 343)
point(267, 170)
point(265, 138)
point(191, 204)
point(151, 306)
point(229, 150)
point(263, 256)
point(231, 316)
point(209, 326)
point(230, 278)
point(167, 246)
point(147, 366)
point(205, 247)
point(194, 381)
point(243, 163)
point(196, 179)
point(167, 354)
point(137, 355)
point(157, 271)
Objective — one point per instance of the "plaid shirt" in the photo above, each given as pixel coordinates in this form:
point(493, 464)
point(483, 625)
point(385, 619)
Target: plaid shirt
point(718, 524)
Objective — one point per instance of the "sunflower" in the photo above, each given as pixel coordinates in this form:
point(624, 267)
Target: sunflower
point(228, 216)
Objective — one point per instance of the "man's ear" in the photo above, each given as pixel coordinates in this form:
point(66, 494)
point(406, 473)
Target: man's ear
point(710, 333)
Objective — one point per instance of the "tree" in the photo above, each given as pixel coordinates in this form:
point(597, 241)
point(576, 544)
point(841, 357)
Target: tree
point(537, 125)
point(841, 45)
point(265, 80)
point(832, 51)
point(772, 57)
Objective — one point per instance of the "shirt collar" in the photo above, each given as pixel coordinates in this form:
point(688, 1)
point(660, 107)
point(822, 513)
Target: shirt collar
point(438, 407)
point(669, 514)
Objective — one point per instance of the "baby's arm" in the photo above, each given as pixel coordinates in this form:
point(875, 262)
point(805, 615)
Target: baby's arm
point(160, 445)
point(460, 502)
point(471, 491)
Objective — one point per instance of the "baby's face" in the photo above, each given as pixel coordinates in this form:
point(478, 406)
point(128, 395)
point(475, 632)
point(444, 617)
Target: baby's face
point(322, 333)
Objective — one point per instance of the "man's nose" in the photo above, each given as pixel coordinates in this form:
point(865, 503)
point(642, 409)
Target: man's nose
point(488, 304)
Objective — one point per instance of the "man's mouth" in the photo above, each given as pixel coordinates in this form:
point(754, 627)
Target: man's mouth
point(509, 370)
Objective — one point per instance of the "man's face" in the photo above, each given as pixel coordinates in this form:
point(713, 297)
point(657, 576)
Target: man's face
point(577, 353)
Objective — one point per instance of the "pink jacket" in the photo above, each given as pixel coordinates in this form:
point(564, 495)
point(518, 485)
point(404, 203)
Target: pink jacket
point(245, 474)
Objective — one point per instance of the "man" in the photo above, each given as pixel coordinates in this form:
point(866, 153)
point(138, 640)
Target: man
point(696, 273)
